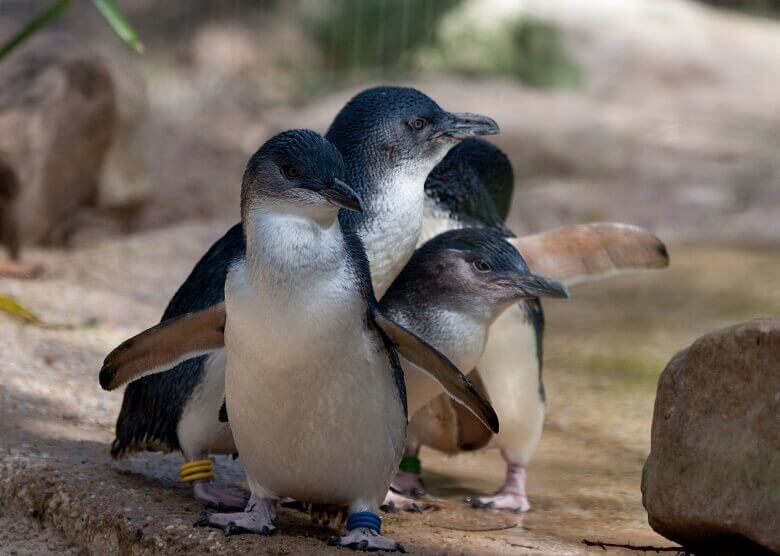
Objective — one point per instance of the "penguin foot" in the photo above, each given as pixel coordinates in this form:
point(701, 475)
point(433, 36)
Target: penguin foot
point(513, 502)
point(395, 502)
point(511, 496)
point(258, 518)
point(408, 483)
point(366, 540)
point(220, 499)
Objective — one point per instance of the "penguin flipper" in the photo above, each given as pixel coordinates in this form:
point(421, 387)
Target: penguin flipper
point(588, 252)
point(457, 385)
point(164, 346)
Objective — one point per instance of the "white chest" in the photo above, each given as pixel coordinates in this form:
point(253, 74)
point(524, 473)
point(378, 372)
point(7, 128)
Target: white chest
point(311, 396)
point(435, 221)
point(391, 238)
point(461, 340)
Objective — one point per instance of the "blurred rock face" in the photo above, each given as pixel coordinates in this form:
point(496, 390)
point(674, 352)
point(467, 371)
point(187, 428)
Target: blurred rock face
point(62, 135)
point(712, 479)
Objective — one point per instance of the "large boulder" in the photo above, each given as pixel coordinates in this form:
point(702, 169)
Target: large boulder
point(712, 480)
point(67, 139)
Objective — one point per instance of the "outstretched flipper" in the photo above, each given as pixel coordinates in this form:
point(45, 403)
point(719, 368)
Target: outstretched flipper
point(586, 252)
point(457, 385)
point(164, 346)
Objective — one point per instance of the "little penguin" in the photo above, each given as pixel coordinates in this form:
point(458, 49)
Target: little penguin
point(313, 382)
point(390, 139)
point(451, 291)
point(473, 186)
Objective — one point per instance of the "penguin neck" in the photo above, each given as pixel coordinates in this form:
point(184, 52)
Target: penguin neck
point(287, 241)
point(390, 225)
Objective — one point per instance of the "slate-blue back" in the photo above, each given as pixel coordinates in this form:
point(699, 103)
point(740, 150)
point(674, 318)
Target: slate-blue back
point(474, 183)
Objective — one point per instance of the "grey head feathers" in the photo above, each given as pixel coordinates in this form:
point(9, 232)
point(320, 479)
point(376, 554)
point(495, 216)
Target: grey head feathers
point(473, 271)
point(297, 170)
point(386, 129)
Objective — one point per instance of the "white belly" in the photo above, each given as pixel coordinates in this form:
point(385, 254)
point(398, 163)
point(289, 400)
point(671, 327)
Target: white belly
point(313, 405)
point(199, 429)
point(510, 371)
point(462, 343)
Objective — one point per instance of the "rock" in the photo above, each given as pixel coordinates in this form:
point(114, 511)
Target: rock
point(64, 131)
point(57, 119)
point(712, 480)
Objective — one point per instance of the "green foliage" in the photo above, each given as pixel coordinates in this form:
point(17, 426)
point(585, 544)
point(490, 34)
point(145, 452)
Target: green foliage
point(106, 7)
point(118, 23)
point(540, 59)
point(33, 26)
point(756, 7)
point(359, 35)
point(376, 37)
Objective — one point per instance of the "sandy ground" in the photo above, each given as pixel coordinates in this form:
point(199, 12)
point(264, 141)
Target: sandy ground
point(605, 349)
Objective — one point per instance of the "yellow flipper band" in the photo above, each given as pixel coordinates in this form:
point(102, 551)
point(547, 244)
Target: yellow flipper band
point(197, 470)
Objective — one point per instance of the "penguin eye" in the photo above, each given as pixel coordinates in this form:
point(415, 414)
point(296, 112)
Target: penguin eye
point(291, 172)
point(482, 266)
point(418, 124)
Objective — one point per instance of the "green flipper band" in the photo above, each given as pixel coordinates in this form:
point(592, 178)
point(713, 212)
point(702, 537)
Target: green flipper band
point(411, 464)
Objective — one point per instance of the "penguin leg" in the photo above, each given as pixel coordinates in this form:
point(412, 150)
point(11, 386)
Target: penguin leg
point(364, 533)
point(396, 502)
point(512, 495)
point(258, 517)
point(407, 480)
point(213, 496)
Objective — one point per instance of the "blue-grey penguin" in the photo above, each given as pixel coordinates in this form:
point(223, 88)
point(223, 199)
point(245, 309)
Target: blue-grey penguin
point(313, 383)
point(390, 138)
point(472, 186)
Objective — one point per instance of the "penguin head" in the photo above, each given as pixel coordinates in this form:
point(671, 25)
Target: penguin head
point(473, 184)
point(297, 171)
point(473, 271)
point(398, 126)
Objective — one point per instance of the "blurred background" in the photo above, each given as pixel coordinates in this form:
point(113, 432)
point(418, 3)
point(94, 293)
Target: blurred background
point(659, 113)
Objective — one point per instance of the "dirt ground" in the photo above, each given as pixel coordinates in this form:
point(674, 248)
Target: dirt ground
point(61, 492)
point(693, 159)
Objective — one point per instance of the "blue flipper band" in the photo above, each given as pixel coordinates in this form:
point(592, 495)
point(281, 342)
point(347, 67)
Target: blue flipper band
point(369, 520)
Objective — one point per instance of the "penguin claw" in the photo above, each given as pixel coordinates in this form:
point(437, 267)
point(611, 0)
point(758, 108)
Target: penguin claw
point(509, 502)
point(258, 518)
point(366, 540)
point(408, 484)
point(203, 520)
point(395, 502)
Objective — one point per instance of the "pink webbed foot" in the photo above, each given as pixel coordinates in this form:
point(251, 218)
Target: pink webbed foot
point(511, 502)
point(218, 498)
point(366, 540)
point(408, 483)
point(511, 496)
point(364, 533)
point(395, 502)
point(258, 518)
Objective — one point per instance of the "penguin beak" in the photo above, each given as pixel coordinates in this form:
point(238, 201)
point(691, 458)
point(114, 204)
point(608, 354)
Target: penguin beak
point(533, 285)
point(341, 195)
point(462, 125)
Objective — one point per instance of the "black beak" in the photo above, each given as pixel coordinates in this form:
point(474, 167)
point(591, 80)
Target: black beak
point(534, 285)
point(340, 194)
point(462, 125)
